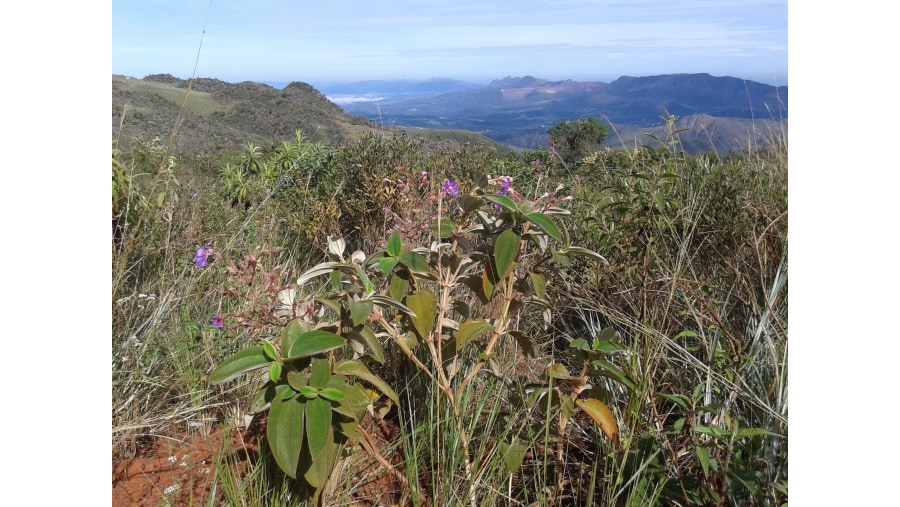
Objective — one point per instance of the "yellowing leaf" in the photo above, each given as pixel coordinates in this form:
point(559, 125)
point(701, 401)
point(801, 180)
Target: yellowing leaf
point(602, 416)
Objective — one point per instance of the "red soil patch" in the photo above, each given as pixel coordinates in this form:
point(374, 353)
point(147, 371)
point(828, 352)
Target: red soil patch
point(180, 470)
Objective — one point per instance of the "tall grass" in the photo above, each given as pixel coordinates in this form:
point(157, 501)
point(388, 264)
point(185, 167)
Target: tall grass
point(696, 291)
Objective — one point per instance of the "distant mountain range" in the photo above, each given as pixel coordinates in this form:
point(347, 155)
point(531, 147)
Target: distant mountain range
point(717, 113)
point(725, 113)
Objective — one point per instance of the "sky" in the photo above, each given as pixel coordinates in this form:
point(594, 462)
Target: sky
point(339, 40)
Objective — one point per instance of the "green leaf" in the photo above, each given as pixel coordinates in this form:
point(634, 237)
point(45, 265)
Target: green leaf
point(469, 203)
point(367, 337)
point(612, 371)
point(443, 229)
point(320, 373)
point(354, 368)
point(539, 283)
point(399, 285)
point(318, 422)
point(314, 342)
point(526, 206)
point(544, 222)
point(423, 304)
point(238, 364)
point(487, 284)
point(561, 258)
point(322, 466)
point(470, 329)
point(502, 200)
point(678, 399)
point(394, 244)
point(602, 416)
point(505, 252)
point(275, 371)
point(703, 458)
point(415, 262)
point(360, 311)
point(513, 456)
point(293, 330)
point(297, 380)
point(367, 284)
point(331, 394)
point(354, 403)
point(262, 399)
point(752, 432)
point(335, 280)
point(269, 349)
point(309, 392)
point(285, 431)
point(387, 265)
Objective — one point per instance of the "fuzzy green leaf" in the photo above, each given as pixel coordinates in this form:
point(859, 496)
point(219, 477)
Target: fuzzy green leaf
point(309, 392)
point(443, 229)
point(470, 329)
point(502, 200)
point(423, 304)
point(367, 337)
point(360, 311)
point(318, 422)
point(285, 431)
point(513, 455)
point(274, 371)
point(331, 394)
point(505, 252)
point(238, 364)
point(297, 380)
point(415, 262)
point(612, 371)
point(387, 265)
point(269, 350)
point(539, 283)
point(703, 458)
point(321, 466)
point(312, 343)
point(320, 373)
point(394, 244)
point(469, 203)
point(262, 399)
point(544, 222)
point(399, 286)
point(357, 369)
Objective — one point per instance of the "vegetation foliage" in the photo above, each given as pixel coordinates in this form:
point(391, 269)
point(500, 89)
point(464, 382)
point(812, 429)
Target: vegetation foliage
point(569, 326)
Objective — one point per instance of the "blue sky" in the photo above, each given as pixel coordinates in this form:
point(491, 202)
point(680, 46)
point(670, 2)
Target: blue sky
point(326, 41)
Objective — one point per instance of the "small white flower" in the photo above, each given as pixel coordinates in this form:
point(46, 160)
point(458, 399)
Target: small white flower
point(171, 489)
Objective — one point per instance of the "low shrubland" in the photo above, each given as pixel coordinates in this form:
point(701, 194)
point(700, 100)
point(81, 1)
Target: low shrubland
point(606, 330)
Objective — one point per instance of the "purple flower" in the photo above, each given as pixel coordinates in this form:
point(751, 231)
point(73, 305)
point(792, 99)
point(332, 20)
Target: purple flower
point(451, 188)
point(216, 320)
point(202, 256)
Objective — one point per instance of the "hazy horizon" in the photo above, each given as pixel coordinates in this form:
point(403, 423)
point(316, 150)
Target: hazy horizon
point(283, 41)
point(329, 82)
